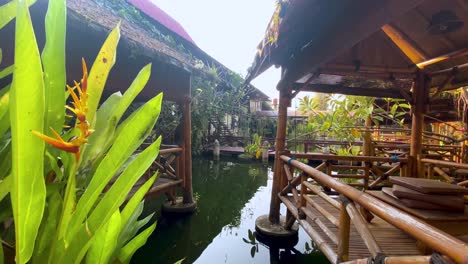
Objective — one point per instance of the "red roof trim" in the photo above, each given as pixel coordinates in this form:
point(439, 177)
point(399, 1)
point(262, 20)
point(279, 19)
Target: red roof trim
point(151, 10)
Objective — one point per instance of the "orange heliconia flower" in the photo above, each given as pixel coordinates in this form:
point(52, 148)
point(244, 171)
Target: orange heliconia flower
point(79, 108)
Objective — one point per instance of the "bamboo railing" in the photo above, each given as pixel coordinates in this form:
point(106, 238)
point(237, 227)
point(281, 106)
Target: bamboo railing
point(170, 166)
point(365, 172)
point(300, 202)
point(435, 167)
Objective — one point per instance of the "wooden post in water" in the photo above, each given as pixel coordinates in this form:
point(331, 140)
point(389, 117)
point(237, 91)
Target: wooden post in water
point(274, 215)
point(420, 95)
point(188, 192)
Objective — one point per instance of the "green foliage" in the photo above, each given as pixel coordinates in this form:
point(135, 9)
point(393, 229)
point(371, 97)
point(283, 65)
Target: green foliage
point(212, 100)
point(254, 150)
point(338, 117)
point(58, 219)
point(28, 190)
point(169, 121)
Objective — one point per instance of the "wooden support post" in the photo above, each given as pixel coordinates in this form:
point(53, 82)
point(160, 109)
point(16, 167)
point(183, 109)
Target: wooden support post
point(188, 192)
point(367, 143)
point(420, 95)
point(278, 180)
point(343, 232)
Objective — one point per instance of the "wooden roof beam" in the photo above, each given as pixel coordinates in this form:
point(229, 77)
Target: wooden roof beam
point(451, 55)
point(363, 68)
point(345, 90)
point(415, 54)
point(357, 22)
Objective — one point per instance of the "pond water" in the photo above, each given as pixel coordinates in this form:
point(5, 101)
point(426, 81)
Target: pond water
point(231, 195)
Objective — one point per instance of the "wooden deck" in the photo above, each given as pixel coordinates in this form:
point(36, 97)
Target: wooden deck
point(393, 241)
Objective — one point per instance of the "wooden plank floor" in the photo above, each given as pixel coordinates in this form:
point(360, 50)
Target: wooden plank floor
point(393, 241)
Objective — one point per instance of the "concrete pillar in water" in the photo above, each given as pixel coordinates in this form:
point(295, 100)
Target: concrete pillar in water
point(265, 151)
point(216, 150)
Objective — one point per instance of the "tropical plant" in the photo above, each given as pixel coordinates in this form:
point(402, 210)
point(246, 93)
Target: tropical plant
point(254, 150)
point(213, 99)
point(60, 208)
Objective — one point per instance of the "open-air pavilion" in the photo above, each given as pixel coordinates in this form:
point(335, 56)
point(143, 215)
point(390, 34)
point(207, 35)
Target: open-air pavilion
point(419, 49)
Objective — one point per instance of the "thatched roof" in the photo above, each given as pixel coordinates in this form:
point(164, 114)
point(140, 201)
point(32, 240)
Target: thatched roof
point(148, 35)
point(391, 39)
point(320, 43)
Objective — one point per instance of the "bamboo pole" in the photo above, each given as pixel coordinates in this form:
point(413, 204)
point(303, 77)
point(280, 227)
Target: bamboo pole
point(323, 211)
point(188, 191)
point(443, 175)
point(329, 157)
point(427, 234)
point(296, 181)
point(319, 241)
point(395, 260)
point(321, 194)
point(443, 163)
point(463, 183)
point(367, 143)
point(274, 215)
point(420, 95)
point(343, 233)
point(363, 230)
point(289, 176)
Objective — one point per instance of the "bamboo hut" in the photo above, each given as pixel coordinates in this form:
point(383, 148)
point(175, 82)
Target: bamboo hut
point(419, 49)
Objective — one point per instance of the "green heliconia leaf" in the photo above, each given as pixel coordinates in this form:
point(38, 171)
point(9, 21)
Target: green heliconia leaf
point(133, 225)
point(5, 186)
point(104, 132)
point(106, 241)
point(26, 114)
point(6, 71)
point(53, 60)
point(5, 157)
point(134, 203)
point(48, 227)
point(180, 261)
point(100, 71)
point(127, 141)
point(8, 11)
point(128, 250)
point(79, 243)
point(69, 202)
point(116, 195)
point(135, 88)
point(4, 112)
point(109, 115)
point(2, 257)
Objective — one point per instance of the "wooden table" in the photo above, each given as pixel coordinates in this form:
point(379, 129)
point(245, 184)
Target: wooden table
point(451, 222)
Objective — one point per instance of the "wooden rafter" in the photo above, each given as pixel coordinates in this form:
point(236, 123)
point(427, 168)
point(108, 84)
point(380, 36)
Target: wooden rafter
point(443, 86)
point(451, 55)
point(415, 54)
point(359, 91)
point(366, 17)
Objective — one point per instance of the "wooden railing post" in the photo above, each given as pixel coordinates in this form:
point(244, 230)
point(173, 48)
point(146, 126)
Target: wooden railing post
point(343, 232)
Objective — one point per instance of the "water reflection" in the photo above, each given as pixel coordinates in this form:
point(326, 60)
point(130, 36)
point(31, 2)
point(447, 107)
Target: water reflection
point(231, 195)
